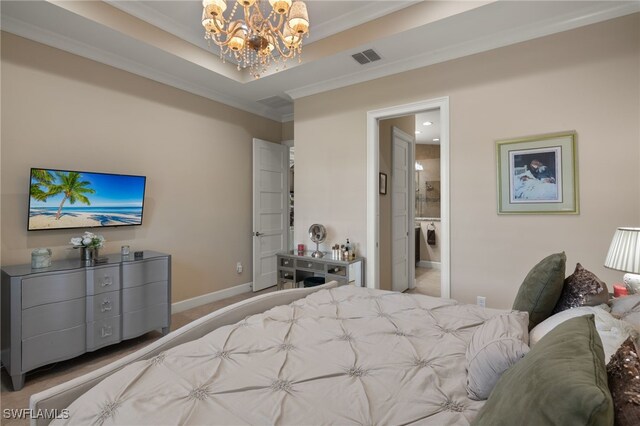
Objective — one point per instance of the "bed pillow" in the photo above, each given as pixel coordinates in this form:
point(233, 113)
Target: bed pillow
point(561, 381)
point(623, 374)
point(494, 347)
point(627, 309)
point(582, 288)
point(612, 331)
point(541, 289)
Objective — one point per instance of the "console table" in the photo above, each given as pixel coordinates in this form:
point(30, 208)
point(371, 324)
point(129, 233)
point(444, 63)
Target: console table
point(293, 268)
point(60, 312)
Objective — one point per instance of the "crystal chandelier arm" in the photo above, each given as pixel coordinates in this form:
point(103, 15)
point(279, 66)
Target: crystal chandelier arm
point(219, 28)
point(288, 54)
point(224, 43)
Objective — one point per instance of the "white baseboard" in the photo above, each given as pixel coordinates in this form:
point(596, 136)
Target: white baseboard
point(428, 264)
point(194, 302)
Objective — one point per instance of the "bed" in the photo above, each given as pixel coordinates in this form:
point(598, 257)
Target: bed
point(350, 355)
point(325, 355)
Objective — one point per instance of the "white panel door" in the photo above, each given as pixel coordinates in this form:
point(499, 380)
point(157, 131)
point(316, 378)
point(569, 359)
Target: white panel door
point(400, 199)
point(270, 209)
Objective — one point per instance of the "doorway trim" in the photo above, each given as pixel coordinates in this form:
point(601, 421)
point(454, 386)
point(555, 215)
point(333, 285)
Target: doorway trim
point(373, 167)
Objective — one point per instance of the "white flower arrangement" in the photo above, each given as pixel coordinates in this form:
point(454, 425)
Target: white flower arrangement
point(88, 240)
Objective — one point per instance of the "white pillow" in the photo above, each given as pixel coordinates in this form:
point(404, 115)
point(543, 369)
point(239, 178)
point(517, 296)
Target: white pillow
point(612, 331)
point(494, 347)
point(627, 308)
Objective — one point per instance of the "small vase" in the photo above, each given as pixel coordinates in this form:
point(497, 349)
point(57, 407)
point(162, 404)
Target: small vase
point(88, 254)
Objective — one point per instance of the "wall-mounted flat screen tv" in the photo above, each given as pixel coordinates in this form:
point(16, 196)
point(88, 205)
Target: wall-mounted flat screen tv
point(66, 199)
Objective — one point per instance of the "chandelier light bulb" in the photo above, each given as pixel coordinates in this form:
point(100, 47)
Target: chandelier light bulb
point(280, 6)
point(236, 36)
point(214, 8)
point(246, 2)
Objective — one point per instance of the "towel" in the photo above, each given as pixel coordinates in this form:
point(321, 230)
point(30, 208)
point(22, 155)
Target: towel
point(431, 237)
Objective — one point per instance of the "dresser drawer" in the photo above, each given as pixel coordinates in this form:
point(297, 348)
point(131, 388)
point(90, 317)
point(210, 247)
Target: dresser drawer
point(104, 305)
point(102, 280)
point(137, 298)
point(53, 317)
point(139, 322)
point(51, 347)
point(102, 333)
point(140, 273)
point(309, 265)
point(52, 288)
point(286, 262)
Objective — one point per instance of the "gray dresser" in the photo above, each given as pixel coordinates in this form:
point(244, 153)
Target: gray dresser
point(63, 311)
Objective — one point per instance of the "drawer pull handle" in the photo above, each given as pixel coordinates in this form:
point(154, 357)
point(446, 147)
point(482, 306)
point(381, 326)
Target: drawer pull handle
point(310, 265)
point(107, 281)
point(106, 331)
point(105, 306)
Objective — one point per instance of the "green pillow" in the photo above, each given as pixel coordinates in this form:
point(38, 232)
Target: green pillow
point(541, 289)
point(561, 381)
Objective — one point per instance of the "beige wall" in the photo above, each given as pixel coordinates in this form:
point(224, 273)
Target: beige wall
point(63, 111)
point(408, 125)
point(585, 80)
point(287, 131)
point(430, 253)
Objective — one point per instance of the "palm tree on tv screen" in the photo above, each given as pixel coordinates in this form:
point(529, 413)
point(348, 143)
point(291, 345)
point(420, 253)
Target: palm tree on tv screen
point(73, 189)
point(39, 179)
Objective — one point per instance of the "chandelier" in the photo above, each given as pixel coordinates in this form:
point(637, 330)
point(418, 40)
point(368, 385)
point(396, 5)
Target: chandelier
point(263, 35)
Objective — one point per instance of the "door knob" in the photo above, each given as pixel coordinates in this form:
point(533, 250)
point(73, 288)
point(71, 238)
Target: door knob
point(257, 234)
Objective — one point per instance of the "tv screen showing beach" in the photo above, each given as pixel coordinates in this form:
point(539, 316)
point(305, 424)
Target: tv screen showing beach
point(62, 199)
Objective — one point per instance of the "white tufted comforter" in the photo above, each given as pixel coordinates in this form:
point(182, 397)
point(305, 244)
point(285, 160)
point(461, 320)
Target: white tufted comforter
point(342, 356)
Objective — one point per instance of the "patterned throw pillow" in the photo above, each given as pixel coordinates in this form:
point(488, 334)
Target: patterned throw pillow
point(582, 288)
point(623, 374)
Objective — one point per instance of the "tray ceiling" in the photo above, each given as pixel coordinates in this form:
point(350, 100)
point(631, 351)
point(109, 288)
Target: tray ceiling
point(163, 40)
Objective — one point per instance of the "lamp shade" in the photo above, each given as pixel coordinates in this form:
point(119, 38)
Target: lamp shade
point(299, 18)
point(624, 252)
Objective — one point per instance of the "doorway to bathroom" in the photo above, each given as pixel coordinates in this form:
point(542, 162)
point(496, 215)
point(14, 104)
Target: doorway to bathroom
point(427, 203)
point(387, 218)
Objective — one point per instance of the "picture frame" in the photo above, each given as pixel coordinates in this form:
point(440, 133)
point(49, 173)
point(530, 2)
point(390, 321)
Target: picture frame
point(538, 174)
point(382, 183)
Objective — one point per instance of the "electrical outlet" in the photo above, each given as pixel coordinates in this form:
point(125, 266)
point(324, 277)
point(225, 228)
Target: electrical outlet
point(239, 267)
point(481, 301)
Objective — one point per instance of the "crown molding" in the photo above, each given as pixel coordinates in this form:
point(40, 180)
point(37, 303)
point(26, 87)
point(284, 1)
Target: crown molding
point(46, 37)
point(166, 23)
point(506, 38)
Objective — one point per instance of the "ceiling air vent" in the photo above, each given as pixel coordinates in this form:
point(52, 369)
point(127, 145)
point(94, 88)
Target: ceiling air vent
point(367, 56)
point(276, 102)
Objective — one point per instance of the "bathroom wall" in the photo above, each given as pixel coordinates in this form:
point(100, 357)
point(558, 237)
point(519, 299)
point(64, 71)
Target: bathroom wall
point(428, 181)
point(429, 253)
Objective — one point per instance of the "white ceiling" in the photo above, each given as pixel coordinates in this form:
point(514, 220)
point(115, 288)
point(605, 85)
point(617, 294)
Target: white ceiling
point(163, 40)
point(428, 132)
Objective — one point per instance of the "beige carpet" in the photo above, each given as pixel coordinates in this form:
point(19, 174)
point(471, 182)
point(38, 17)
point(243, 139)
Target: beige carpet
point(54, 374)
point(427, 282)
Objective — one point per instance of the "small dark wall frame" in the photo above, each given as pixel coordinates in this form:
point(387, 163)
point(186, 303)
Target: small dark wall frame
point(382, 183)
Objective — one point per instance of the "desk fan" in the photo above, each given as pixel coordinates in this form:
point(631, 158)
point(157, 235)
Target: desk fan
point(318, 234)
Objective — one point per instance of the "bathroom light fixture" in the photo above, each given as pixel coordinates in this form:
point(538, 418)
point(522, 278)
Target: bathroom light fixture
point(427, 123)
point(265, 27)
point(436, 139)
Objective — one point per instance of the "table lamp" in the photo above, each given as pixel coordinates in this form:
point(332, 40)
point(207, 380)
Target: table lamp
point(624, 255)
